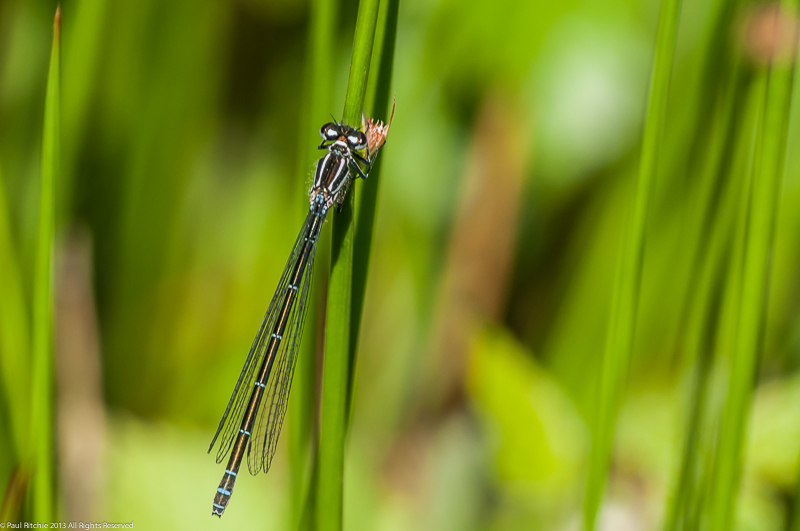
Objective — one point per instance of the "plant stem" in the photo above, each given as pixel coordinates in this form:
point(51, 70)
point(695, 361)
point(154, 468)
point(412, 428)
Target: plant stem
point(360, 61)
point(379, 88)
point(336, 370)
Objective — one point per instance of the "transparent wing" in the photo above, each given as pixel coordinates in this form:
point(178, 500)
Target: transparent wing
point(270, 416)
point(232, 418)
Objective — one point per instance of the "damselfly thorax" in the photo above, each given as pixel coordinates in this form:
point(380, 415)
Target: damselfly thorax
point(338, 167)
point(330, 179)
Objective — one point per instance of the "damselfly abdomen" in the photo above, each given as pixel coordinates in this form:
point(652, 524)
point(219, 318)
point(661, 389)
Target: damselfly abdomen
point(254, 415)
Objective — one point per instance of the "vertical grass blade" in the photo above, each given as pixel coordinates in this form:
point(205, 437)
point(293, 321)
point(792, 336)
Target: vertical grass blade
point(42, 377)
point(704, 315)
point(302, 409)
point(622, 322)
point(363, 40)
point(377, 107)
point(760, 215)
point(336, 370)
point(14, 329)
point(710, 219)
point(742, 174)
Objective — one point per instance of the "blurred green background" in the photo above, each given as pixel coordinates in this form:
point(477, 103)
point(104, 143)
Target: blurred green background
point(505, 186)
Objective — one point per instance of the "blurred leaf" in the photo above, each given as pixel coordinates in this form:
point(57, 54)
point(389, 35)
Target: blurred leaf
point(773, 442)
point(587, 93)
point(537, 435)
point(143, 455)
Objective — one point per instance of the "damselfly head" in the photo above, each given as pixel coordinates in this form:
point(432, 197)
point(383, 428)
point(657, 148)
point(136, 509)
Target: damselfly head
point(352, 137)
point(342, 163)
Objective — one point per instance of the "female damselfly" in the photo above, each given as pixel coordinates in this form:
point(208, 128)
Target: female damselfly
point(254, 415)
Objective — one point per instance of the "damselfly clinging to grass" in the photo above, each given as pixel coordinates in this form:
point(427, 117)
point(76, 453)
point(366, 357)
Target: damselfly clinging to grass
point(252, 420)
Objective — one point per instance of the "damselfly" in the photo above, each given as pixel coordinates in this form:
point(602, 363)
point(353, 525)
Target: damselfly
point(254, 415)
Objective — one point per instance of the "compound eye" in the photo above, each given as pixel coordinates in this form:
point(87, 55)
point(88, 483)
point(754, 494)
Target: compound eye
point(357, 139)
point(329, 131)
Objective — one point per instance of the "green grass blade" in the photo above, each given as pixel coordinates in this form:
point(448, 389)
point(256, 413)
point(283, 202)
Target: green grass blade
point(794, 521)
point(302, 411)
point(380, 80)
point(704, 315)
point(336, 370)
point(14, 329)
point(739, 176)
point(378, 92)
point(761, 217)
point(363, 40)
point(710, 222)
point(726, 336)
point(622, 323)
point(42, 377)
